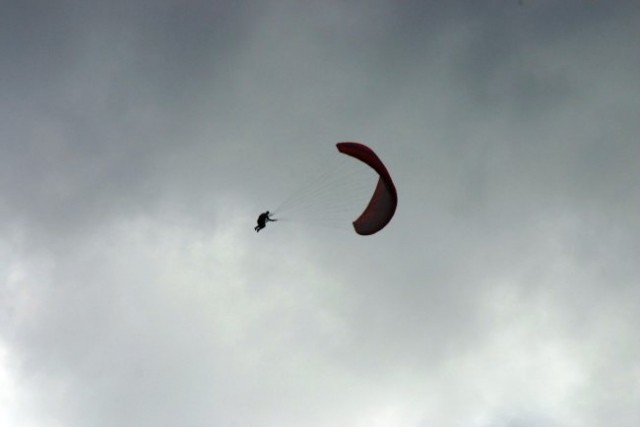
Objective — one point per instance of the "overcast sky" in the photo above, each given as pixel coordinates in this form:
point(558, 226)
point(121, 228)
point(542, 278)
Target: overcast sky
point(140, 139)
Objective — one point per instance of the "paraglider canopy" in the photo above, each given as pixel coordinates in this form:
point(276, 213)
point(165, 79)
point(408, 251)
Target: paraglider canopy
point(384, 201)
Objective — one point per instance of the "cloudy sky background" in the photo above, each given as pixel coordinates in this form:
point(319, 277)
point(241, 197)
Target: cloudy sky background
point(140, 139)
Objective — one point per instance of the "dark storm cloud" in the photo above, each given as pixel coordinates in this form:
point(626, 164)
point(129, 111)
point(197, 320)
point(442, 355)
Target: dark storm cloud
point(100, 98)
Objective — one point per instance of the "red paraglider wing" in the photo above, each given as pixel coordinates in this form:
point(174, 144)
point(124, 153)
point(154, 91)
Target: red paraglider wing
point(383, 203)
